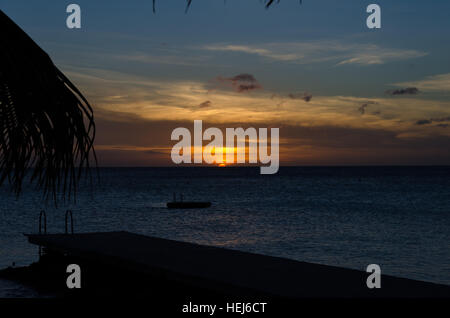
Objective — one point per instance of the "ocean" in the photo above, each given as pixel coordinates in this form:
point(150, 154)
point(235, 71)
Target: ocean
point(396, 217)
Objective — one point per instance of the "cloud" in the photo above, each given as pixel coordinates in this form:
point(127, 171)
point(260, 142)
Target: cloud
point(129, 144)
point(431, 83)
point(423, 122)
point(305, 96)
point(241, 83)
point(442, 119)
point(403, 91)
point(321, 51)
point(144, 58)
point(243, 78)
point(269, 52)
point(205, 104)
point(433, 120)
point(126, 98)
point(362, 108)
point(375, 55)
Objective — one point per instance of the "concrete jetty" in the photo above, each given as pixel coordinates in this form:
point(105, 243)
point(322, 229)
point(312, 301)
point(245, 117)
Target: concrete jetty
point(225, 271)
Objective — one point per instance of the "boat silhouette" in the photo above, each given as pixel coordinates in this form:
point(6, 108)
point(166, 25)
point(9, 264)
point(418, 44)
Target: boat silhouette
point(187, 204)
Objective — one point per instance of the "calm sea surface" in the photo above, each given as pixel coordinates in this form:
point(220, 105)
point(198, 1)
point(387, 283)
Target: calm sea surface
point(397, 217)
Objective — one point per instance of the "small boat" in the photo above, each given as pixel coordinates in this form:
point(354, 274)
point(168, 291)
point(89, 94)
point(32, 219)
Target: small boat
point(187, 204)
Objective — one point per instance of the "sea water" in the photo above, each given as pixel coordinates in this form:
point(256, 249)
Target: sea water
point(396, 217)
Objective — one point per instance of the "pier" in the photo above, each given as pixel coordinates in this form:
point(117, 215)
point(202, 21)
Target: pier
point(224, 271)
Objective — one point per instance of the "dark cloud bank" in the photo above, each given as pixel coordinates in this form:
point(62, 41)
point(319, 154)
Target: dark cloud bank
point(325, 145)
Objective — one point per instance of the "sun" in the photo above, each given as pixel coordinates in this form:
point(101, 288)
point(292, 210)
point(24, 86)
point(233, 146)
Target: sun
point(223, 164)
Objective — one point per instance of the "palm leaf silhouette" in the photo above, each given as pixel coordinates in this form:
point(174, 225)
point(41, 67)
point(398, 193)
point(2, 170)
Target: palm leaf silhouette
point(268, 3)
point(47, 126)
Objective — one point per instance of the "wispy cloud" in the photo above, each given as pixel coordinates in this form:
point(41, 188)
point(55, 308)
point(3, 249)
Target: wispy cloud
point(122, 97)
point(320, 51)
point(375, 55)
point(270, 51)
point(431, 83)
point(163, 59)
point(305, 96)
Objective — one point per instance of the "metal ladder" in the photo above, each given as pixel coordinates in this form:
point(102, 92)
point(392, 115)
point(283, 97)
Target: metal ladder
point(69, 213)
point(42, 214)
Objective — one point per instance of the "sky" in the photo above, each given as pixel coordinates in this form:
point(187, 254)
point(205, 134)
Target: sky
point(340, 93)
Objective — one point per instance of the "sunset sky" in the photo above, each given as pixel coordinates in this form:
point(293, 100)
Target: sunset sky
point(340, 93)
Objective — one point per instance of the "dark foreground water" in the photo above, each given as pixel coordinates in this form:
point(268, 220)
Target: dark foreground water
point(397, 217)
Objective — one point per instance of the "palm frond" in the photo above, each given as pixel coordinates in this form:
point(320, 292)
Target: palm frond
point(47, 126)
point(268, 3)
